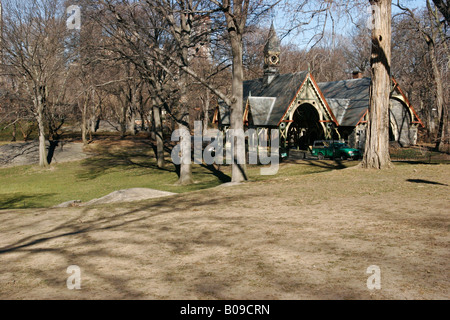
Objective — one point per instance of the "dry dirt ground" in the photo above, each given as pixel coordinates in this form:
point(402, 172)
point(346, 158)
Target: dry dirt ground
point(304, 237)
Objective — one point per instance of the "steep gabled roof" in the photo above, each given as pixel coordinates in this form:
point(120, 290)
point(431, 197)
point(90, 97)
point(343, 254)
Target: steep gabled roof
point(348, 99)
point(222, 114)
point(261, 110)
point(267, 104)
point(273, 99)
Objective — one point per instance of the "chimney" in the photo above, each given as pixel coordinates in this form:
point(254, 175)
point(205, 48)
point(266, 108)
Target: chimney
point(357, 74)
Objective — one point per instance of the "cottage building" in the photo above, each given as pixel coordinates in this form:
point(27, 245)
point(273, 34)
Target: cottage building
point(304, 110)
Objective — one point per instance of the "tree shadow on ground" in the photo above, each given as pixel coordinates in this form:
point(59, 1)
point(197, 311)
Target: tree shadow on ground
point(73, 238)
point(153, 225)
point(51, 150)
point(140, 155)
point(109, 157)
point(76, 225)
point(21, 200)
point(431, 162)
point(217, 173)
point(335, 164)
point(426, 182)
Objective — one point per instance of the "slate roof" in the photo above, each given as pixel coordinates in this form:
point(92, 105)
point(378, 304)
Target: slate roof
point(268, 104)
point(348, 99)
point(224, 113)
point(262, 109)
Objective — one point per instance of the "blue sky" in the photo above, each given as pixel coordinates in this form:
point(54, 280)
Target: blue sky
point(342, 26)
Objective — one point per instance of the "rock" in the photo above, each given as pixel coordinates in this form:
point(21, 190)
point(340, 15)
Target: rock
point(71, 203)
point(127, 195)
point(228, 184)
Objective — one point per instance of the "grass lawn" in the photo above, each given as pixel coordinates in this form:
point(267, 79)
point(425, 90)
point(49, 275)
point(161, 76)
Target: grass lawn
point(121, 165)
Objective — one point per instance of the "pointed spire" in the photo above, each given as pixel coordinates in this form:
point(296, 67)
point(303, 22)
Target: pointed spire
point(272, 51)
point(273, 43)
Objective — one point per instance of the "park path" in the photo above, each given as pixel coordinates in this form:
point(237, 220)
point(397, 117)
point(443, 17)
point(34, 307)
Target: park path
point(26, 153)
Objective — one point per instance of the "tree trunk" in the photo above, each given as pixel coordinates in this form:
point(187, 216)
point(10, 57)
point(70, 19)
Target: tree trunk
point(206, 110)
point(442, 131)
point(159, 136)
point(185, 165)
point(132, 122)
point(183, 118)
point(444, 8)
point(141, 111)
point(133, 109)
point(84, 122)
point(43, 161)
point(376, 154)
point(93, 120)
point(153, 124)
point(123, 120)
point(14, 132)
point(238, 167)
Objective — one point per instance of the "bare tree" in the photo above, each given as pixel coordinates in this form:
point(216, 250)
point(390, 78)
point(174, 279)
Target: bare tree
point(172, 56)
point(236, 13)
point(357, 51)
point(432, 34)
point(33, 50)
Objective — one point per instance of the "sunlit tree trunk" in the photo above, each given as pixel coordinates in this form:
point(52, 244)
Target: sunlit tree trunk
point(183, 118)
point(43, 162)
point(84, 122)
point(376, 153)
point(238, 167)
point(236, 21)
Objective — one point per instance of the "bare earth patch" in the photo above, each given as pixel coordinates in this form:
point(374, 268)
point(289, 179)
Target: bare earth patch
point(303, 237)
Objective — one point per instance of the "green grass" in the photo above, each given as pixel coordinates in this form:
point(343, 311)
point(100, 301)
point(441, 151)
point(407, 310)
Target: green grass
point(33, 187)
point(116, 168)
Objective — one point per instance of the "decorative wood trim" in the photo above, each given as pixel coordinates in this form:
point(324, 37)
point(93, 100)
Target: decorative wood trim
point(295, 97)
point(323, 99)
point(216, 115)
point(361, 120)
point(397, 87)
